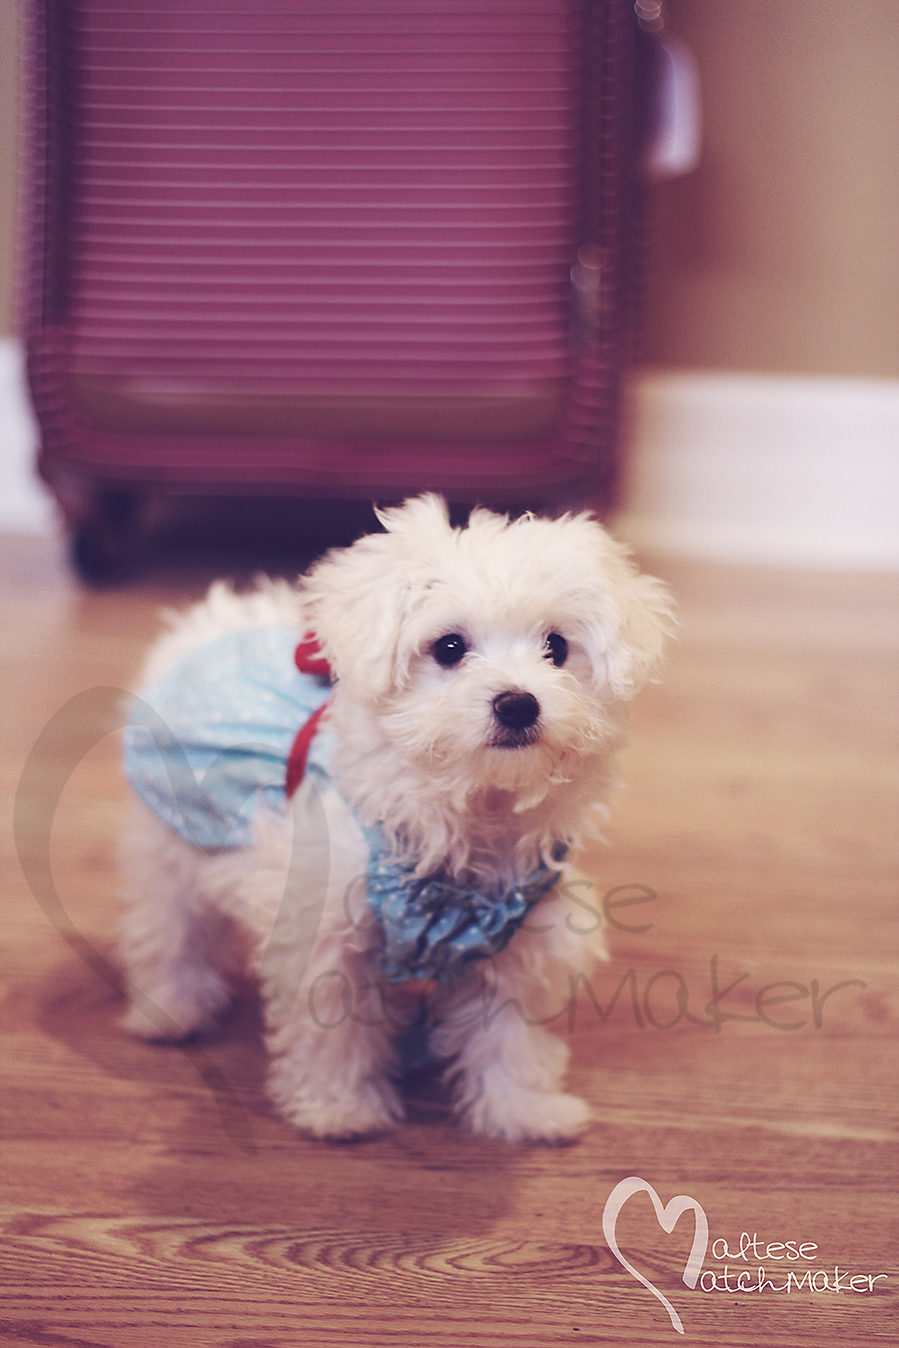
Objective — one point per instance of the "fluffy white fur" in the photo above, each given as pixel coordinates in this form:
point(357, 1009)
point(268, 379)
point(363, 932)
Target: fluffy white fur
point(421, 750)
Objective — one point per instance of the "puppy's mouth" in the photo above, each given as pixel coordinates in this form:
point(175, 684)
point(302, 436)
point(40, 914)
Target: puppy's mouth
point(517, 719)
point(515, 739)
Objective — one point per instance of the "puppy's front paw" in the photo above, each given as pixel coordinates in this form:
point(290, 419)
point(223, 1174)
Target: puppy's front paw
point(521, 1114)
point(172, 1012)
point(328, 1113)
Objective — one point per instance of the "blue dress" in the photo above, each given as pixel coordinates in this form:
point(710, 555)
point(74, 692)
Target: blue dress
point(210, 741)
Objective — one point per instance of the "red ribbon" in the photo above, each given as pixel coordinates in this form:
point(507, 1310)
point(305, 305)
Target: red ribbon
point(309, 660)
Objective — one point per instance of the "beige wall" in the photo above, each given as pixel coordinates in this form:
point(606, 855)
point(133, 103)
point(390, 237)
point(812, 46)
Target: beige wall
point(780, 253)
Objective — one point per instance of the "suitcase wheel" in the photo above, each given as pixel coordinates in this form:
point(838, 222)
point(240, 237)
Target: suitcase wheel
point(105, 540)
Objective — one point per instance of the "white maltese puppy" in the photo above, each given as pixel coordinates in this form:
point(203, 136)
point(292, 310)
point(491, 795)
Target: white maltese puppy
point(363, 786)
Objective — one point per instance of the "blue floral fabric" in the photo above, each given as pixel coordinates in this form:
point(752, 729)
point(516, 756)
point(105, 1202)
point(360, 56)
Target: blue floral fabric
point(210, 740)
point(434, 927)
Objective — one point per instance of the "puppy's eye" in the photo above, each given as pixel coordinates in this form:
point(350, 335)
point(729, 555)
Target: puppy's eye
point(448, 650)
point(556, 648)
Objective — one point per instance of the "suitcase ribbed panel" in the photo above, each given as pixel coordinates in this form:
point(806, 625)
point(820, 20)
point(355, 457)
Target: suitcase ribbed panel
point(371, 197)
point(342, 197)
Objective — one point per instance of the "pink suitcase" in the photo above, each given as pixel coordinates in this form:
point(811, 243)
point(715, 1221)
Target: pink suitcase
point(331, 248)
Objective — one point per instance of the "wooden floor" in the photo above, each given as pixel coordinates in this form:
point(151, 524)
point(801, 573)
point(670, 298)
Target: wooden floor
point(151, 1197)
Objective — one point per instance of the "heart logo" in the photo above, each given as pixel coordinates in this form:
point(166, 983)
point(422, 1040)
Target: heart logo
point(668, 1218)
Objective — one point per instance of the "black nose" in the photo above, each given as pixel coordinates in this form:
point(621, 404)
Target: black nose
point(516, 711)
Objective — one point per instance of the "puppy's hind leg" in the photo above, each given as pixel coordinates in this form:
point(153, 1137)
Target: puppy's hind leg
point(172, 946)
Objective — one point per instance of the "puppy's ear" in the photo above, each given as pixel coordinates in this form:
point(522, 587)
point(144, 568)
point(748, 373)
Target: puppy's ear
point(635, 621)
point(353, 606)
point(646, 623)
point(359, 600)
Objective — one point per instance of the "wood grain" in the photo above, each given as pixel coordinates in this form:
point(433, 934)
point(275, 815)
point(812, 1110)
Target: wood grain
point(150, 1196)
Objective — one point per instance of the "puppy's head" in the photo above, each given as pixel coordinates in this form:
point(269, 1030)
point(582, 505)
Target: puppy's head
point(500, 650)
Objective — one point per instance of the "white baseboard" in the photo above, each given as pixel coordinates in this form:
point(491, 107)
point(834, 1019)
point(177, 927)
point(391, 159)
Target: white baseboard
point(26, 506)
point(766, 469)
